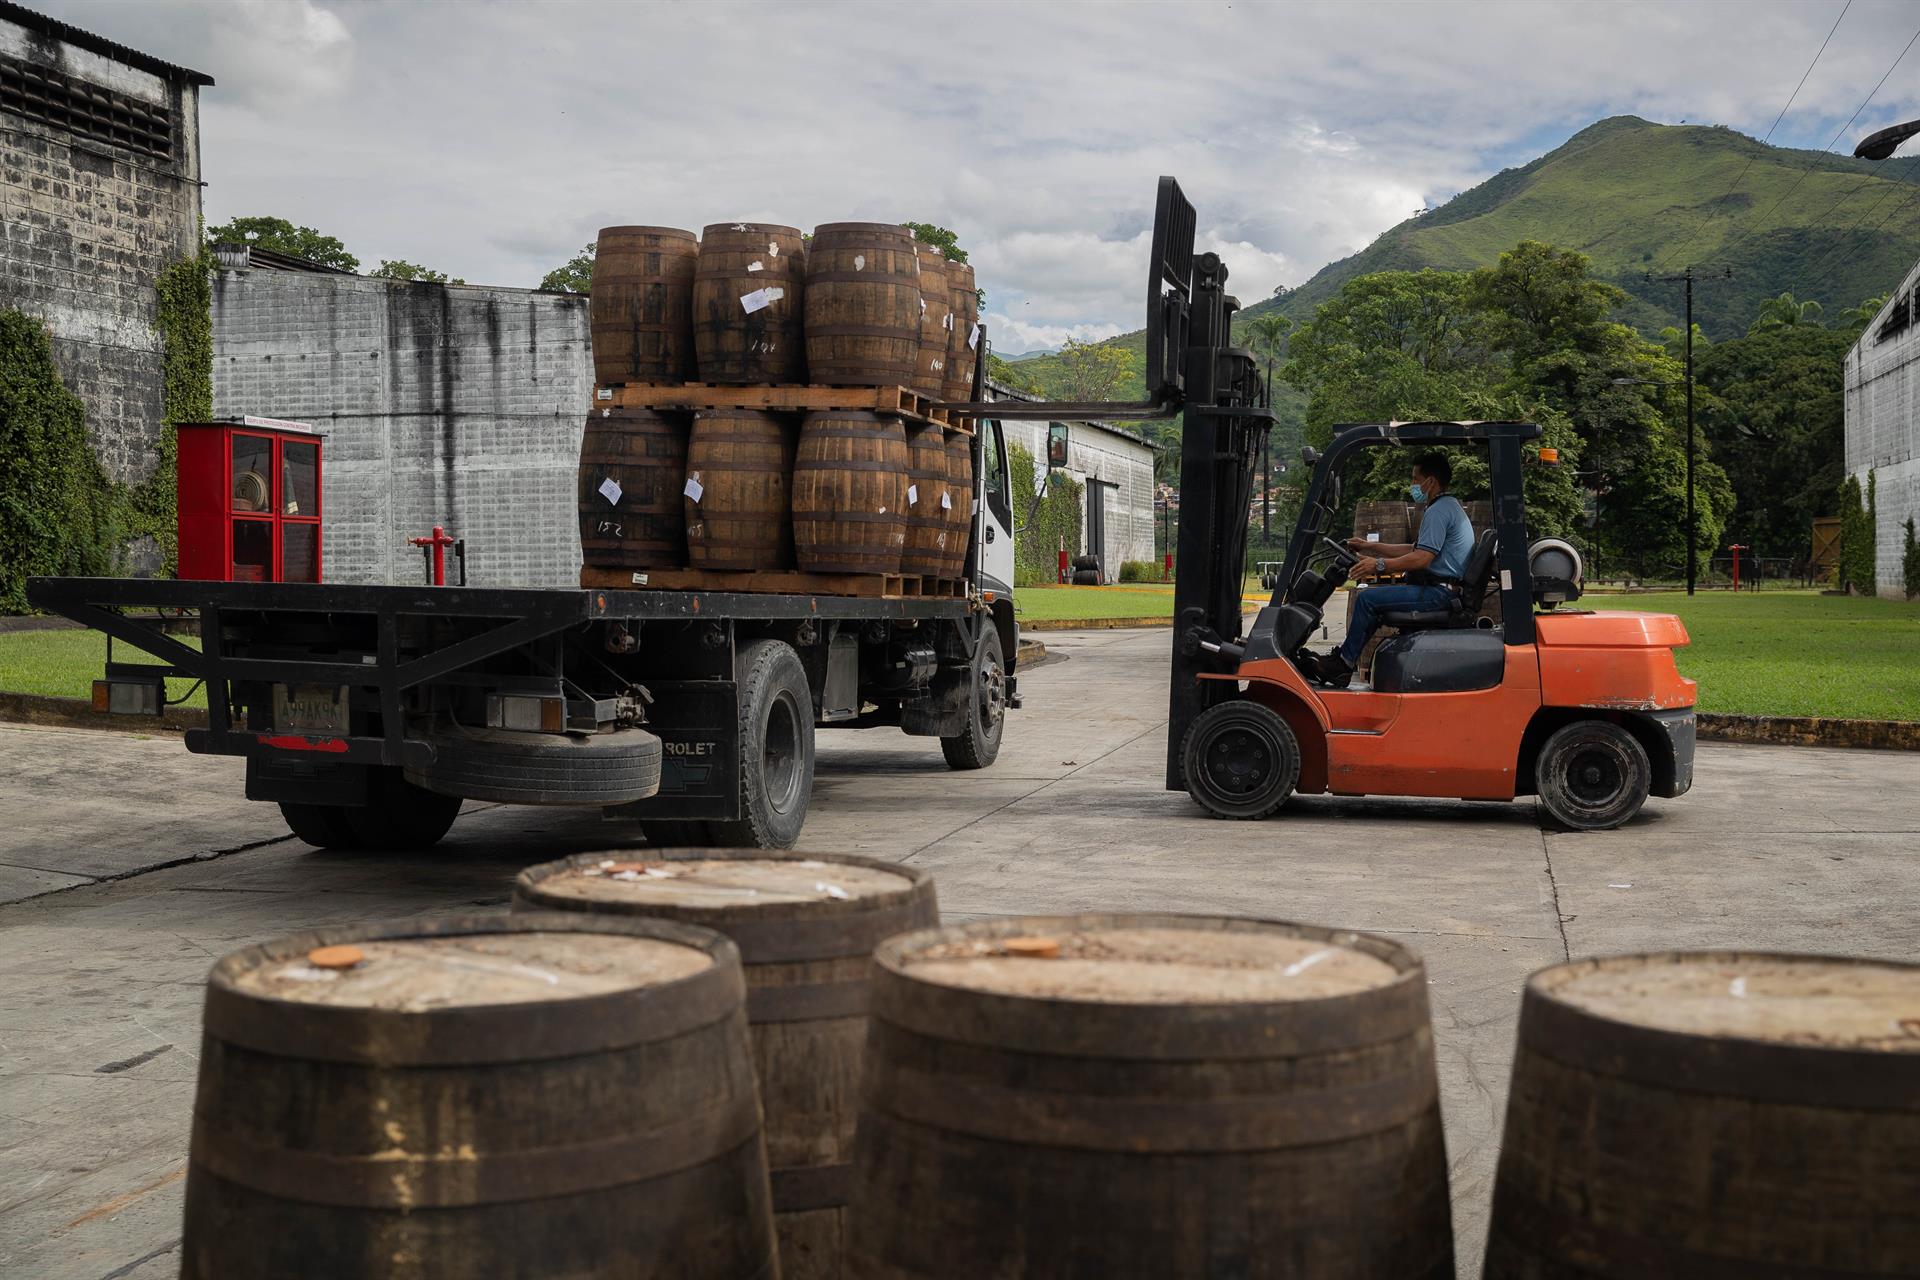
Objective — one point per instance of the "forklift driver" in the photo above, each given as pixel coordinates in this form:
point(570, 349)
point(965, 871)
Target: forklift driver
point(1434, 566)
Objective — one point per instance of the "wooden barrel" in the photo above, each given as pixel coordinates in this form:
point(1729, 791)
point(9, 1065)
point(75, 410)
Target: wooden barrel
point(738, 491)
point(1388, 519)
point(807, 951)
point(633, 463)
point(1174, 1097)
point(748, 317)
point(538, 1095)
point(640, 309)
point(1713, 1114)
point(963, 339)
point(936, 320)
point(850, 493)
point(960, 509)
point(929, 505)
point(863, 305)
point(1479, 515)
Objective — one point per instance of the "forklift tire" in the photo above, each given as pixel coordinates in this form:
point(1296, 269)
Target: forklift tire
point(978, 745)
point(324, 826)
point(1241, 760)
point(1592, 775)
point(776, 749)
point(543, 768)
point(401, 815)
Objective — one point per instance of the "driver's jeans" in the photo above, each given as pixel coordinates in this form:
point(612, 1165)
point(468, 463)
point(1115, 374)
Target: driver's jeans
point(1371, 602)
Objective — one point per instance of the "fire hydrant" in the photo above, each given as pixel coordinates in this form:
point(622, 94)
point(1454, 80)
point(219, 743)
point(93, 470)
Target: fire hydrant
point(440, 541)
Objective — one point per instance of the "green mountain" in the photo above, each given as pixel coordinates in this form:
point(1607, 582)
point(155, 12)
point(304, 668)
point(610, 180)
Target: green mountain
point(1642, 198)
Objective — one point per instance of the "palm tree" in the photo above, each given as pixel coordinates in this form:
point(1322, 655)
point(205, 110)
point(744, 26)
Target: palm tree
point(1266, 336)
point(1786, 312)
point(1859, 317)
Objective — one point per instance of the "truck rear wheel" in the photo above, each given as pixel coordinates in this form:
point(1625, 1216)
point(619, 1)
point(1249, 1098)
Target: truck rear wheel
point(1241, 760)
point(543, 768)
point(401, 815)
point(324, 826)
point(776, 749)
point(978, 745)
point(1592, 775)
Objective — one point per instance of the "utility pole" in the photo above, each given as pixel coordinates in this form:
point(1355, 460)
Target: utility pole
point(1686, 277)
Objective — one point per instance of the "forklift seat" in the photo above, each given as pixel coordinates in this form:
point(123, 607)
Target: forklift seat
point(1466, 602)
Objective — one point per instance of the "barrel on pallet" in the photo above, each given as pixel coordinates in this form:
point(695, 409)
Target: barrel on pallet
point(633, 463)
point(539, 1095)
point(1153, 1096)
point(738, 491)
point(640, 310)
point(1712, 1114)
point(806, 925)
point(863, 305)
point(936, 322)
point(929, 503)
point(960, 508)
point(964, 338)
point(1388, 519)
point(850, 493)
point(748, 317)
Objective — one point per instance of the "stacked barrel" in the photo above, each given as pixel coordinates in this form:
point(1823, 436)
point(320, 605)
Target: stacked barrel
point(819, 483)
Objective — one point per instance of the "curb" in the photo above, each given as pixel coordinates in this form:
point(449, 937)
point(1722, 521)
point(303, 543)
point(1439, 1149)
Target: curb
point(78, 713)
point(1809, 731)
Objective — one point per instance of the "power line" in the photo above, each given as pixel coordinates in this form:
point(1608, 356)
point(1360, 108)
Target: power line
point(1893, 185)
point(1688, 242)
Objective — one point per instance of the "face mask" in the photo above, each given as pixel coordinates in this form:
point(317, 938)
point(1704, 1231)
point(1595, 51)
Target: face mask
point(1417, 493)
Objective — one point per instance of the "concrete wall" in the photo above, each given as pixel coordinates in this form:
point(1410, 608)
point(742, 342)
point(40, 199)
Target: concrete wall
point(1883, 429)
point(88, 226)
point(1097, 452)
point(443, 404)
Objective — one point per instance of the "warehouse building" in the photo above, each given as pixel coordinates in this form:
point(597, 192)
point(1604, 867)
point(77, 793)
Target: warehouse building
point(1115, 466)
point(99, 193)
point(1883, 424)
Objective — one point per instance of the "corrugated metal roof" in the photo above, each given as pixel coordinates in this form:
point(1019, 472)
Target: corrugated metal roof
point(236, 257)
point(1001, 391)
point(40, 22)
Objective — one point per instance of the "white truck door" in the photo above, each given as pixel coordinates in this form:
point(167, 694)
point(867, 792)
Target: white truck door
point(993, 527)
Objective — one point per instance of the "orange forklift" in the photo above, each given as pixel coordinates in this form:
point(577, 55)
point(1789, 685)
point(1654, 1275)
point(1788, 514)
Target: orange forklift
point(1585, 710)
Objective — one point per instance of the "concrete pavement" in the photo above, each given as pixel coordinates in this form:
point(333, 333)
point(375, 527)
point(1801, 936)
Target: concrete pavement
point(148, 865)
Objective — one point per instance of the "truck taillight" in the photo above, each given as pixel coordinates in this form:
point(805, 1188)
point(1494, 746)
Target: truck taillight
point(129, 697)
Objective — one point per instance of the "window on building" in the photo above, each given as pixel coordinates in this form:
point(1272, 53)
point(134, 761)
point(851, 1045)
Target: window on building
point(85, 109)
point(1897, 319)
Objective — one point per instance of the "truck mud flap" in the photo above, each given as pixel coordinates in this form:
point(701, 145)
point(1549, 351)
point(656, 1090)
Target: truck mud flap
point(698, 724)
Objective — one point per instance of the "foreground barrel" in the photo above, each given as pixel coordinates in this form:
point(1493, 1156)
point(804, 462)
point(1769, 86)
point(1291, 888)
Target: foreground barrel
point(633, 463)
point(1713, 1115)
point(850, 493)
point(738, 491)
point(1174, 1097)
point(936, 322)
point(960, 503)
point(806, 925)
point(962, 339)
point(542, 1095)
point(863, 305)
point(748, 318)
point(929, 504)
point(640, 310)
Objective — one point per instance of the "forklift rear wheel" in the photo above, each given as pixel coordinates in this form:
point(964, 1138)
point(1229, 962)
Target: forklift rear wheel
point(401, 815)
point(1241, 760)
point(1592, 775)
point(324, 826)
point(776, 749)
point(978, 745)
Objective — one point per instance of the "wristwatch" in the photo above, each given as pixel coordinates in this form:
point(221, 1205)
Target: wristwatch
point(1380, 564)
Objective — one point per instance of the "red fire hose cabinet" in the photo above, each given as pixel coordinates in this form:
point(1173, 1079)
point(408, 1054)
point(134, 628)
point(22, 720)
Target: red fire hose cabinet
point(249, 501)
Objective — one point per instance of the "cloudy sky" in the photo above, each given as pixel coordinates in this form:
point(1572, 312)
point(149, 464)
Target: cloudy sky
point(492, 139)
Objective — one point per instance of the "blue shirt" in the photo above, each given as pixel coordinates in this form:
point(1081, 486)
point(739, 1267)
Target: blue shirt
point(1447, 533)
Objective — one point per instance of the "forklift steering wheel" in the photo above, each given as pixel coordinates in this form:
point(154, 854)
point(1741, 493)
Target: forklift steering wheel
point(1347, 559)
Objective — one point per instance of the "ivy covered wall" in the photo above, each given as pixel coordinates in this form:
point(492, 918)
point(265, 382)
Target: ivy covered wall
point(1042, 528)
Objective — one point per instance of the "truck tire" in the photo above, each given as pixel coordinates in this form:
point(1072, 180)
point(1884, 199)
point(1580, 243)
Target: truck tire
point(676, 833)
point(1592, 775)
point(543, 768)
point(1241, 760)
point(401, 815)
point(776, 749)
point(324, 826)
point(978, 745)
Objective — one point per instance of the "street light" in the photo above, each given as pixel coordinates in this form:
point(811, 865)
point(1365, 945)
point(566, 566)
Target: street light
point(1882, 145)
point(1692, 561)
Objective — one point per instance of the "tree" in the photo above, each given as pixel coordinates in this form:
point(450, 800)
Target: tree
point(573, 276)
point(1092, 370)
point(1861, 314)
point(1008, 374)
point(1910, 562)
point(1786, 311)
point(1540, 300)
point(281, 236)
point(940, 238)
point(401, 269)
point(1854, 571)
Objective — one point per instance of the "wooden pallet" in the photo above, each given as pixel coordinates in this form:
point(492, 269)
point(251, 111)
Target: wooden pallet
point(870, 586)
point(795, 398)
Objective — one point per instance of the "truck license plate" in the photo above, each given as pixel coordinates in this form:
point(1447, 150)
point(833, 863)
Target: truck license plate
point(310, 709)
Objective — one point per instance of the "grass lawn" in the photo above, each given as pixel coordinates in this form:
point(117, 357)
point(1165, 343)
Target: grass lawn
point(66, 663)
point(1794, 653)
point(1121, 600)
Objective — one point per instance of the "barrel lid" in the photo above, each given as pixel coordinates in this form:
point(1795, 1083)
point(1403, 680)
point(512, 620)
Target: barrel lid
point(753, 228)
point(474, 989)
point(675, 233)
point(1151, 986)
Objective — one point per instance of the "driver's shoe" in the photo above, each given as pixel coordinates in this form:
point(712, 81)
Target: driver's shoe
point(1332, 670)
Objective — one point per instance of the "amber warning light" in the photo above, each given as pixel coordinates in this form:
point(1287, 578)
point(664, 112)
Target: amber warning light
point(1550, 456)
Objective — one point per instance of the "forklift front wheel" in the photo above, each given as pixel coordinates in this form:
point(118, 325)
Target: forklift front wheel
point(1241, 760)
point(1592, 775)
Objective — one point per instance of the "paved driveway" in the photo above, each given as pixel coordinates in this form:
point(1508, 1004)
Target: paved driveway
point(147, 866)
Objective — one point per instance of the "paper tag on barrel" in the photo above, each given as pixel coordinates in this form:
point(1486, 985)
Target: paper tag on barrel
point(694, 488)
point(610, 490)
point(973, 337)
point(760, 299)
point(913, 494)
